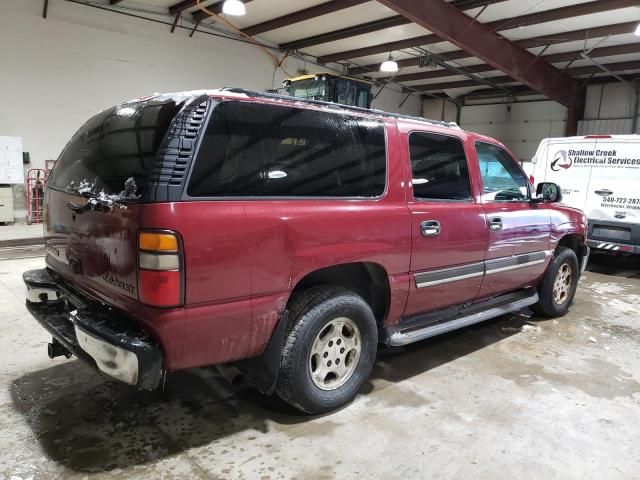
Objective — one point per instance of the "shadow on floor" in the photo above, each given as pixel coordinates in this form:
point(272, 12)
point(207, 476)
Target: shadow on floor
point(90, 424)
point(617, 265)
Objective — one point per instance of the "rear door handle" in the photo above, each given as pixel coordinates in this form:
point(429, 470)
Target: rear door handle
point(605, 192)
point(430, 228)
point(495, 224)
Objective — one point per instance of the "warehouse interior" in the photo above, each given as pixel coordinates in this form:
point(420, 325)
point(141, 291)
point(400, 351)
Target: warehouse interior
point(516, 396)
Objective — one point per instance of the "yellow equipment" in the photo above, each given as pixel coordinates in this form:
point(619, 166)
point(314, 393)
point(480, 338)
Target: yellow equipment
point(330, 87)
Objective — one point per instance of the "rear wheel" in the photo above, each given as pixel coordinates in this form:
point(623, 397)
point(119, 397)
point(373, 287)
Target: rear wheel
point(329, 351)
point(559, 285)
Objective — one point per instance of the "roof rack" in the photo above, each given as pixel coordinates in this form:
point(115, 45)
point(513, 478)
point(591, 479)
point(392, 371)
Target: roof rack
point(338, 106)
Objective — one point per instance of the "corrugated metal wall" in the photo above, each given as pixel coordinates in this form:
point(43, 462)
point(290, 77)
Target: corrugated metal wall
point(520, 126)
point(609, 110)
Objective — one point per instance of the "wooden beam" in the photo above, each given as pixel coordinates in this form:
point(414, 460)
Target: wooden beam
point(302, 15)
point(561, 13)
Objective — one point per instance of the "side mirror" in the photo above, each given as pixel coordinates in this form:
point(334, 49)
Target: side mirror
point(548, 192)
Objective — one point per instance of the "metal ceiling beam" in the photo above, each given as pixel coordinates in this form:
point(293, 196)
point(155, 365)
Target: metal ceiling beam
point(348, 32)
point(572, 36)
point(552, 58)
point(302, 15)
point(555, 14)
point(452, 25)
point(200, 15)
point(524, 90)
point(576, 71)
point(443, 72)
point(180, 6)
point(600, 52)
point(374, 26)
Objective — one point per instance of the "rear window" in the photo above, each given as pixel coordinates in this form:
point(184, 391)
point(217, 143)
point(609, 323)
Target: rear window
point(116, 145)
point(253, 149)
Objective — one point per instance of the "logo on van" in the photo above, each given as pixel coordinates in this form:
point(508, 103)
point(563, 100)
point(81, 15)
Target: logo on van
point(562, 161)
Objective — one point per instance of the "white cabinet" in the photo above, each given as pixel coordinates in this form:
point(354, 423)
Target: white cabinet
point(6, 204)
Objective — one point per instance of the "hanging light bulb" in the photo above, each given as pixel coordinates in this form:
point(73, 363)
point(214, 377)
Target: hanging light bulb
point(638, 30)
point(389, 65)
point(234, 7)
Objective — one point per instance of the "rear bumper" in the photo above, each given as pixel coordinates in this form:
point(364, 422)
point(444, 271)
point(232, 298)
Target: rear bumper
point(108, 340)
point(614, 246)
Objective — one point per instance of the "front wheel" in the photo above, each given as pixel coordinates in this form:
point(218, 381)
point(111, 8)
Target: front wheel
point(329, 351)
point(559, 284)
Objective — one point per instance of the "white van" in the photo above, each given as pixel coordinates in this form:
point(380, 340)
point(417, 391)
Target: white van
point(599, 174)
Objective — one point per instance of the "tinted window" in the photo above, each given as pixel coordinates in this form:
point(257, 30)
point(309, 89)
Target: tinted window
point(439, 167)
point(115, 145)
point(502, 179)
point(253, 149)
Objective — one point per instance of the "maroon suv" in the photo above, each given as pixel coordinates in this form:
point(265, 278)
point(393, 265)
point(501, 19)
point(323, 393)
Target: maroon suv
point(285, 239)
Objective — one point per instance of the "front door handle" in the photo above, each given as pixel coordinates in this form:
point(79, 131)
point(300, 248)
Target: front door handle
point(605, 192)
point(495, 224)
point(430, 228)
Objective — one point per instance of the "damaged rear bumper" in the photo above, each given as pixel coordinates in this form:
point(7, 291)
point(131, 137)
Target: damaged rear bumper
point(108, 340)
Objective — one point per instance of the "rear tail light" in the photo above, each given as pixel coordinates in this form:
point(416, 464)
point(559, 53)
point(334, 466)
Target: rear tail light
point(532, 180)
point(160, 269)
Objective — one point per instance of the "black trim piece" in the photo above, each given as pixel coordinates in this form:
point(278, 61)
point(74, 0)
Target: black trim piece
point(471, 270)
point(447, 275)
point(518, 261)
point(177, 151)
point(262, 372)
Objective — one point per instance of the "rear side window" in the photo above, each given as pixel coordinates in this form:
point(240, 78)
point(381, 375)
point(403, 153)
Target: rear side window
point(439, 167)
point(115, 145)
point(253, 149)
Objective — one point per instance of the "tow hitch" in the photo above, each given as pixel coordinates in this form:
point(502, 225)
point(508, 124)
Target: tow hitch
point(56, 349)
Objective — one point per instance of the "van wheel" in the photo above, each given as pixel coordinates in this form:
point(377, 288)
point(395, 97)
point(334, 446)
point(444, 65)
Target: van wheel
point(329, 351)
point(559, 284)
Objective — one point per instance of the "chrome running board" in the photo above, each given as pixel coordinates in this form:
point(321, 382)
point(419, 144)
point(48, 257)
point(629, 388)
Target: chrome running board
point(411, 335)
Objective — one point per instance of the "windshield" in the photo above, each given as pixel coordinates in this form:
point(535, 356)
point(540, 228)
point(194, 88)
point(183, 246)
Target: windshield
point(115, 151)
point(312, 89)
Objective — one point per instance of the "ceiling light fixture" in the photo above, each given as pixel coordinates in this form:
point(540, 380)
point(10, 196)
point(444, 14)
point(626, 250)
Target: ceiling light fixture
point(234, 7)
point(389, 65)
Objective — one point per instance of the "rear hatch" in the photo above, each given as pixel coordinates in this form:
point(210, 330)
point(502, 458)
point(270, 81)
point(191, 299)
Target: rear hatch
point(94, 197)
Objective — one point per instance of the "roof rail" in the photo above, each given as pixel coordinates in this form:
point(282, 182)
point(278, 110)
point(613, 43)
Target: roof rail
point(338, 106)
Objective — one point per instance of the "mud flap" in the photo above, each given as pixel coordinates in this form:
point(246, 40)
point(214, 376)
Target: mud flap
point(261, 372)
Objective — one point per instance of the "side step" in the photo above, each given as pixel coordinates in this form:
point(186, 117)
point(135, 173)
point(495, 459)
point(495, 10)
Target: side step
point(413, 334)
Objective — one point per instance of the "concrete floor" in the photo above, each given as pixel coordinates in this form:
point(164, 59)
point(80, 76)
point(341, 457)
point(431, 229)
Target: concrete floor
point(511, 398)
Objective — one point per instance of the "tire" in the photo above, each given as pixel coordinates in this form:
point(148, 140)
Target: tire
point(325, 326)
point(556, 298)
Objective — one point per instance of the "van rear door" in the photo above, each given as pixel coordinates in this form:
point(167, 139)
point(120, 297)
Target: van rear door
point(613, 194)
